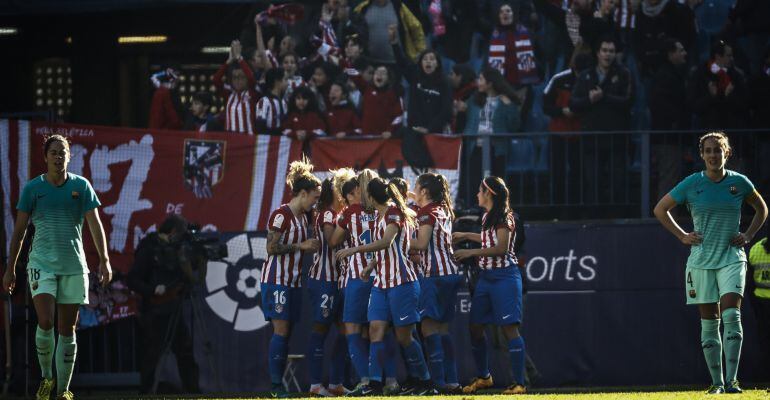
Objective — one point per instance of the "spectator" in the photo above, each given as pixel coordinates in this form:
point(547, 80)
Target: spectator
point(166, 106)
point(493, 109)
point(430, 102)
point(240, 92)
point(557, 94)
point(668, 109)
point(366, 70)
point(271, 108)
point(353, 52)
point(717, 91)
point(381, 107)
point(320, 82)
point(304, 122)
point(602, 95)
point(748, 19)
point(289, 64)
point(658, 20)
point(376, 18)
point(341, 117)
point(452, 27)
point(463, 81)
point(199, 118)
point(596, 23)
point(760, 107)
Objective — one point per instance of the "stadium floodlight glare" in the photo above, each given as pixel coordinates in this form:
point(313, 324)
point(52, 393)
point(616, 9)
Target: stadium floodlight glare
point(215, 50)
point(142, 39)
point(8, 31)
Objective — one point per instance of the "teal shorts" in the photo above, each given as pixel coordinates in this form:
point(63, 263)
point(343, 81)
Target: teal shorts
point(66, 289)
point(707, 286)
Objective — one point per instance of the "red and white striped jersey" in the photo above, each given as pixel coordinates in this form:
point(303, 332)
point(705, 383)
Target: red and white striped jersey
point(239, 114)
point(285, 269)
point(489, 239)
point(324, 266)
point(271, 111)
point(360, 226)
point(439, 258)
point(394, 267)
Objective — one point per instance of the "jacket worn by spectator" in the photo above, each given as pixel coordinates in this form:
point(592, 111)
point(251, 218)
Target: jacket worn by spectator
point(409, 27)
point(163, 110)
point(668, 99)
point(612, 111)
point(668, 19)
point(342, 118)
point(725, 110)
point(430, 96)
point(556, 97)
point(309, 121)
point(381, 108)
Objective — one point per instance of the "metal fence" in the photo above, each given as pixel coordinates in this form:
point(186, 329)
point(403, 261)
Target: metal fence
point(599, 175)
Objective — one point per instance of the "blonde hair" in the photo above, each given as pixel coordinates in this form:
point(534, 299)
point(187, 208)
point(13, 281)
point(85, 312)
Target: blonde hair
point(364, 177)
point(340, 177)
point(720, 137)
point(300, 177)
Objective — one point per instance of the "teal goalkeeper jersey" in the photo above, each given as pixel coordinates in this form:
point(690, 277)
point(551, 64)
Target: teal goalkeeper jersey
point(716, 212)
point(58, 213)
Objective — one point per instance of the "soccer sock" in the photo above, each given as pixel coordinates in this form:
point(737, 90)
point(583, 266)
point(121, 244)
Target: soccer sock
point(712, 349)
point(339, 356)
point(479, 349)
point(277, 361)
point(450, 365)
point(435, 359)
point(415, 361)
point(66, 352)
point(516, 355)
point(315, 354)
point(358, 355)
point(45, 343)
point(375, 361)
point(389, 356)
point(733, 339)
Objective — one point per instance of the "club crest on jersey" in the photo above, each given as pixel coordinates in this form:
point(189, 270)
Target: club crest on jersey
point(279, 308)
point(203, 166)
point(75, 195)
point(34, 285)
point(733, 190)
point(692, 293)
point(325, 312)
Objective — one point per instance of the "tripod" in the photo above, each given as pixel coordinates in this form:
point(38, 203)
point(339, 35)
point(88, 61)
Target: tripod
point(177, 318)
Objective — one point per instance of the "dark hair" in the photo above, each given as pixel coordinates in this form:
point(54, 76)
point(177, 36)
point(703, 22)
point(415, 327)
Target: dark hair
point(305, 93)
point(203, 98)
point(248, 53)
point(401, 184)
point(582, 62)
point(381, 192)
point(669, 45)
point(606, 39)
point(273, 76)
point(48, 140)
point(437, 74)
point(344, 87)
point(500, 208)
point(327, 195)
point(361, 64)
point(348, 188)
point(466, 73)
point(300, 177)
point(391, 77)
point(173, 222)
point(355, 39)
point(329, 69)
point(289, 54)
point(498, 82)
point(438, 190)
point(721, 139)
point(719, 47)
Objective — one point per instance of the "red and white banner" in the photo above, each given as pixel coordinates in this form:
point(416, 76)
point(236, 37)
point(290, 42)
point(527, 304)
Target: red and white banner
point(225, 182)
point(385, 157)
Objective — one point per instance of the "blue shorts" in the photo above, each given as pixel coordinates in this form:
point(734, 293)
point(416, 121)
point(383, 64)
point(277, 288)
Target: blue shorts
point(281, 302)
point(397, 304)
point(356, 301)
point(325, 301)
point(438, 297)
point(497, 299)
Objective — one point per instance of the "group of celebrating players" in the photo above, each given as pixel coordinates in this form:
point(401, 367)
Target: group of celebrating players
point(363, 228)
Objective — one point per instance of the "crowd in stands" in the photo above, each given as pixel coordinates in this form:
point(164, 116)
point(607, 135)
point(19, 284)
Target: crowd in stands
point(403, 68)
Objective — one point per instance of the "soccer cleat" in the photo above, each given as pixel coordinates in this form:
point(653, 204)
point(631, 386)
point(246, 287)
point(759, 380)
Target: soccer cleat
point(67, 395)
point(45, 389)
point(425, 388)
point(410, 385)
point(714, 389)
point(392, 389)
point(278, 392)
point(479, 383)
point(319, 391)
point(733, 387)
point(338, 391)
point(372, 388)
point(515, 389)
point(451, 390)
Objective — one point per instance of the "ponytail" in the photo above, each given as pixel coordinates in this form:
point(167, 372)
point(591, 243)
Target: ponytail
point(382, 192)
point(300, 177)
point(500, 209)
point(438, 190)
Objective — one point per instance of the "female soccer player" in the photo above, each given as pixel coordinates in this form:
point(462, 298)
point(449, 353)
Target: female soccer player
point(287, 240)
point(325, 299)
point(497, 299)
point(396, 290)
point(57, 202)
point(716, 267)
point(440, 282)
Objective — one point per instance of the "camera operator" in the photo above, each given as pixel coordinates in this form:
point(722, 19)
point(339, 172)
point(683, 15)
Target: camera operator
point(161, 273)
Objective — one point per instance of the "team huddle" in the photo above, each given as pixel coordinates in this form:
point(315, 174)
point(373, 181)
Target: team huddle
point(380, 268)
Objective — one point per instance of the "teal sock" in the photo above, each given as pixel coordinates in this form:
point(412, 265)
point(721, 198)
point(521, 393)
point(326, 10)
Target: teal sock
point(733, 339)
point(45, 343)
point(65, 362)
point(712, 349)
